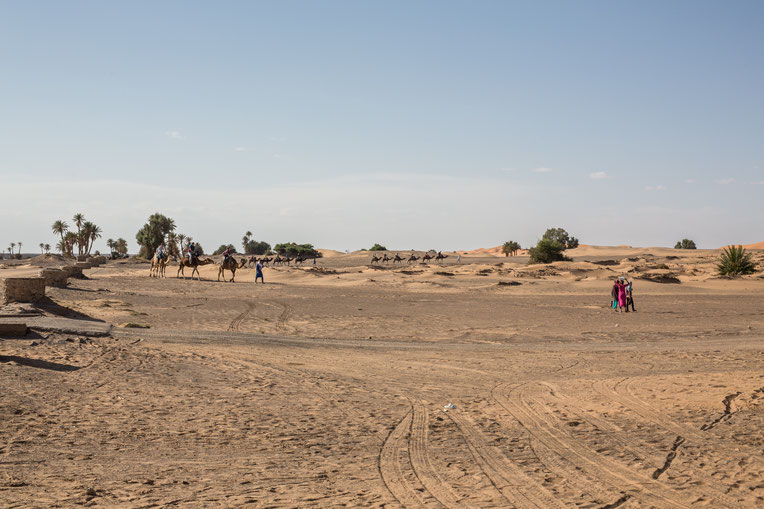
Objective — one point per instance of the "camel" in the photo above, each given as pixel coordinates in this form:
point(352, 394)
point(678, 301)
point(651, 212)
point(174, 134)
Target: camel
point(158, 266)
point(426, 257)
point(440, 257)
point(299, 260)
point(185, 262)
point(230, 264)
point(397, 259)
point(375, 259)
point(412, 259)
point(386, 258)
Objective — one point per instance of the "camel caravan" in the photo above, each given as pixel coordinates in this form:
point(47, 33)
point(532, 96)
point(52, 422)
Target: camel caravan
point(413, 258)
point(160, 261)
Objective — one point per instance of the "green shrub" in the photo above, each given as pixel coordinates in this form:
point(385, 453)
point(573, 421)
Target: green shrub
point(547, 251)
point(735, 261)
point(377, 247)
point(685, 244)
point(562, 237)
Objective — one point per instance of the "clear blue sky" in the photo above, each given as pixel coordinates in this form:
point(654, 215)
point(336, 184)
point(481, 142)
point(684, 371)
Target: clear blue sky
point(447, 125)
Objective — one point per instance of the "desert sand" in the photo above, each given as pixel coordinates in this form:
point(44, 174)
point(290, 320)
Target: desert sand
point(328, 386)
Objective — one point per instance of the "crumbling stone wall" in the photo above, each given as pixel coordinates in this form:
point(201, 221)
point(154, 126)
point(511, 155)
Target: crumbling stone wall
point(21, 289)
point(72, 271)
point(97, 260)
point(54, 277)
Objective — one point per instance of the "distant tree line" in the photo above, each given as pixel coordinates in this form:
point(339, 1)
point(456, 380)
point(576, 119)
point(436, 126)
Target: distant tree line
point(293, 249)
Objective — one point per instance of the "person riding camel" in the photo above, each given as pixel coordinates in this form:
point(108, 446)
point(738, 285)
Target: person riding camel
point(226, 255)
point(160, 252)
point(191, 253)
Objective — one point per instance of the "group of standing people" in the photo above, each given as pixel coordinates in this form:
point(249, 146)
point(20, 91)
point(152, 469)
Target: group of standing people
point(622, 296)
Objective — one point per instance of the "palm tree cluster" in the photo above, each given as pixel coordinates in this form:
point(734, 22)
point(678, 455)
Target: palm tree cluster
point(11, 248)
point(510, 248)
point(118, 247)
point(83, 239)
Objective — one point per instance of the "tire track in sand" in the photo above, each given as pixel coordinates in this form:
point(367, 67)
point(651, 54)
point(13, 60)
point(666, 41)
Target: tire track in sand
point(544, 427)
point(515, 486)
point(236, 322)
point(420, 459)
point(389, 462)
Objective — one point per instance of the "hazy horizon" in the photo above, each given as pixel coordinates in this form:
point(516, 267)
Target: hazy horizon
point(427, 125)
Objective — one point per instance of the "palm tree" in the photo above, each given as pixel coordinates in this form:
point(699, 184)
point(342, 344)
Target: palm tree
point(47, 248)
point(78, 219)
point(121, 246)
point(90, 232)
point(13, 245)
point(245, 240)
point(60, 227)
point(70, 240)
point(181, 237)
point(97, 233)
point(20, 243)
point(42, 248)
point(110, 245)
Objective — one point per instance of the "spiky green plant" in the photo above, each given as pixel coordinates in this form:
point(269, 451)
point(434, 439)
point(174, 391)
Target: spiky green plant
point(735, 261)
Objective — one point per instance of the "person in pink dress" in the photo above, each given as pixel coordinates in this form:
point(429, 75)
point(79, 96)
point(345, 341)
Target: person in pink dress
point(622, 294)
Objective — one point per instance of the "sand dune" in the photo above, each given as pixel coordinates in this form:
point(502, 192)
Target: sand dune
point(756, 245)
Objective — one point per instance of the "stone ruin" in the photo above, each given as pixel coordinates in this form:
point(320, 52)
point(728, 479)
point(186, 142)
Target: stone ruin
point(21, 289)
point(32, 289)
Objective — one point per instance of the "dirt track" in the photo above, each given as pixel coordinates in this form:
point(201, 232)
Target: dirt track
point(275, 395)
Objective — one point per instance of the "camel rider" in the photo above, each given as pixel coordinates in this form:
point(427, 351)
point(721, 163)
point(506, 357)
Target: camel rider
point(226, 255)
point(160, 252)
point(191, 253)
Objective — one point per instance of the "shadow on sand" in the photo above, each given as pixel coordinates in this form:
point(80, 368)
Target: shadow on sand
point(38, 363)
point(49, 306)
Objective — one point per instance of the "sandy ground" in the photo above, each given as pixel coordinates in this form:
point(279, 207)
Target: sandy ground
point(326, 387)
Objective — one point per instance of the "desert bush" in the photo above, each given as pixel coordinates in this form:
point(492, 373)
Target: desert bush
point(735, 261)
point(685, 244)
point(377, 247)
point(547, 251)
point(560, 236)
